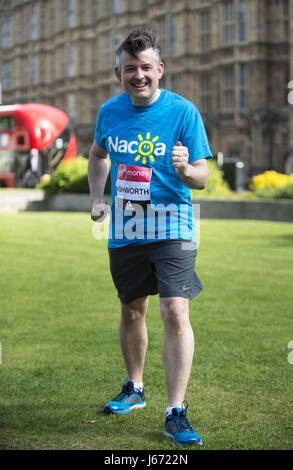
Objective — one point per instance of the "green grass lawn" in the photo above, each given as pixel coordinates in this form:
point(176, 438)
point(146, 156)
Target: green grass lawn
point(61, 357)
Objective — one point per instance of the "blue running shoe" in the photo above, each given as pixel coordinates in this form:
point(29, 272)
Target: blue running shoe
point(127, 400)
point(180, 430)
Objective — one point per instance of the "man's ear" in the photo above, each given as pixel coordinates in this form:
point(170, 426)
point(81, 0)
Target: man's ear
point(118, 74)
point(161, 70)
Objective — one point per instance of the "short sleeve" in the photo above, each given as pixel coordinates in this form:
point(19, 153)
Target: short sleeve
point(193, 135)
point(99, 138)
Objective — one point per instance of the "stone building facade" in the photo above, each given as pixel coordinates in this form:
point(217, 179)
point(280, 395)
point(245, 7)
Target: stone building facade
point(230, 57)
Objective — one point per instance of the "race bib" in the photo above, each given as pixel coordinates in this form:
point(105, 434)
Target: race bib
point(133, 185)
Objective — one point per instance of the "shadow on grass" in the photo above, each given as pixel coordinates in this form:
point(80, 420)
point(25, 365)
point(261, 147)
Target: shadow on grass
point(58, 425)
point(280, 239)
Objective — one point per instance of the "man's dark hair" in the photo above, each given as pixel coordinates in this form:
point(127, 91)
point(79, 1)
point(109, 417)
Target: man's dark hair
point(137, 41)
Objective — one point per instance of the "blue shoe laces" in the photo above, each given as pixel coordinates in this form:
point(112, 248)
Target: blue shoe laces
point(181, 419)
point(126, 391)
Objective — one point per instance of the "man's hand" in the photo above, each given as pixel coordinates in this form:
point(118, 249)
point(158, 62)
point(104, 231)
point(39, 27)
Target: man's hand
point(180, 159)
point(195, 174)
point(100, 210)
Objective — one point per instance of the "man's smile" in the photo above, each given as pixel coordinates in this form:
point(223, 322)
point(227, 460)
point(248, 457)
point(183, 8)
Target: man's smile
point(140, 85)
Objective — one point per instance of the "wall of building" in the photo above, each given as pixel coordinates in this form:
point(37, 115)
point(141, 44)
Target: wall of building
point(230, 57)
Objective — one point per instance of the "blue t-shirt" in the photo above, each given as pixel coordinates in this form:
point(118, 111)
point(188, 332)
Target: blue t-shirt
point(150, 201)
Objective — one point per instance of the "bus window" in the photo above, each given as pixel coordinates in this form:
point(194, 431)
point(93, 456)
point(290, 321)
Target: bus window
point(7, 161)
point(53, 154)
point(4, 139)
point(7, 123)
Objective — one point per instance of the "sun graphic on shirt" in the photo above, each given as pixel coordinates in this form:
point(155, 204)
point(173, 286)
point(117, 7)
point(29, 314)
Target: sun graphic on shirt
point(146, 148)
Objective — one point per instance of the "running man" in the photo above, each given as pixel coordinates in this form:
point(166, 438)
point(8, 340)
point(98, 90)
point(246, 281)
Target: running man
point(158, 149)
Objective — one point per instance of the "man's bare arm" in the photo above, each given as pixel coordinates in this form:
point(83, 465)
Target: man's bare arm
point(197, 173)
point(98, 169)
point(194, 175)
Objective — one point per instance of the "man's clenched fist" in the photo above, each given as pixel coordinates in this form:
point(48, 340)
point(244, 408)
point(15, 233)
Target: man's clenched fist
point(180, 158)
point(100, 210)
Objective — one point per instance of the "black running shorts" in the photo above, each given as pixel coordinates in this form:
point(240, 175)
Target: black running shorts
point(165, 267)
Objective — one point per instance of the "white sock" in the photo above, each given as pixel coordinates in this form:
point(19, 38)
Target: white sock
point(170, 408)
point(138, 386)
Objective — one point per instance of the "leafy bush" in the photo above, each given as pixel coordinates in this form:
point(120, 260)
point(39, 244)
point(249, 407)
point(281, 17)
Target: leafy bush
point(271, 184)
point(278, 192)
point(217, 186)
point(69, 177)
point(270, 179)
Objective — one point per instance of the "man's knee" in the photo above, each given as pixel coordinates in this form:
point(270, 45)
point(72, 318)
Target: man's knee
point(175, 313)
point(134, 311)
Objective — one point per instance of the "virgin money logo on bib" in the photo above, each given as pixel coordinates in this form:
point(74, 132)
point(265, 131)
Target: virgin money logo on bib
point(133, 184)
point(134, 173)
point(144, 149)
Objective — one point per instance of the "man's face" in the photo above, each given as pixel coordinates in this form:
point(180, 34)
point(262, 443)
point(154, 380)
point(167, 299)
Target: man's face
point(140, 76)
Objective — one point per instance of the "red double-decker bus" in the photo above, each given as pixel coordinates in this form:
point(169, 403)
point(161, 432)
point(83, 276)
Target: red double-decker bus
point(28, 130)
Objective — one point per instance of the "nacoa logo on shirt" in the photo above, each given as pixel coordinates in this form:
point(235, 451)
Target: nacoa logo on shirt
point(144, 148)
